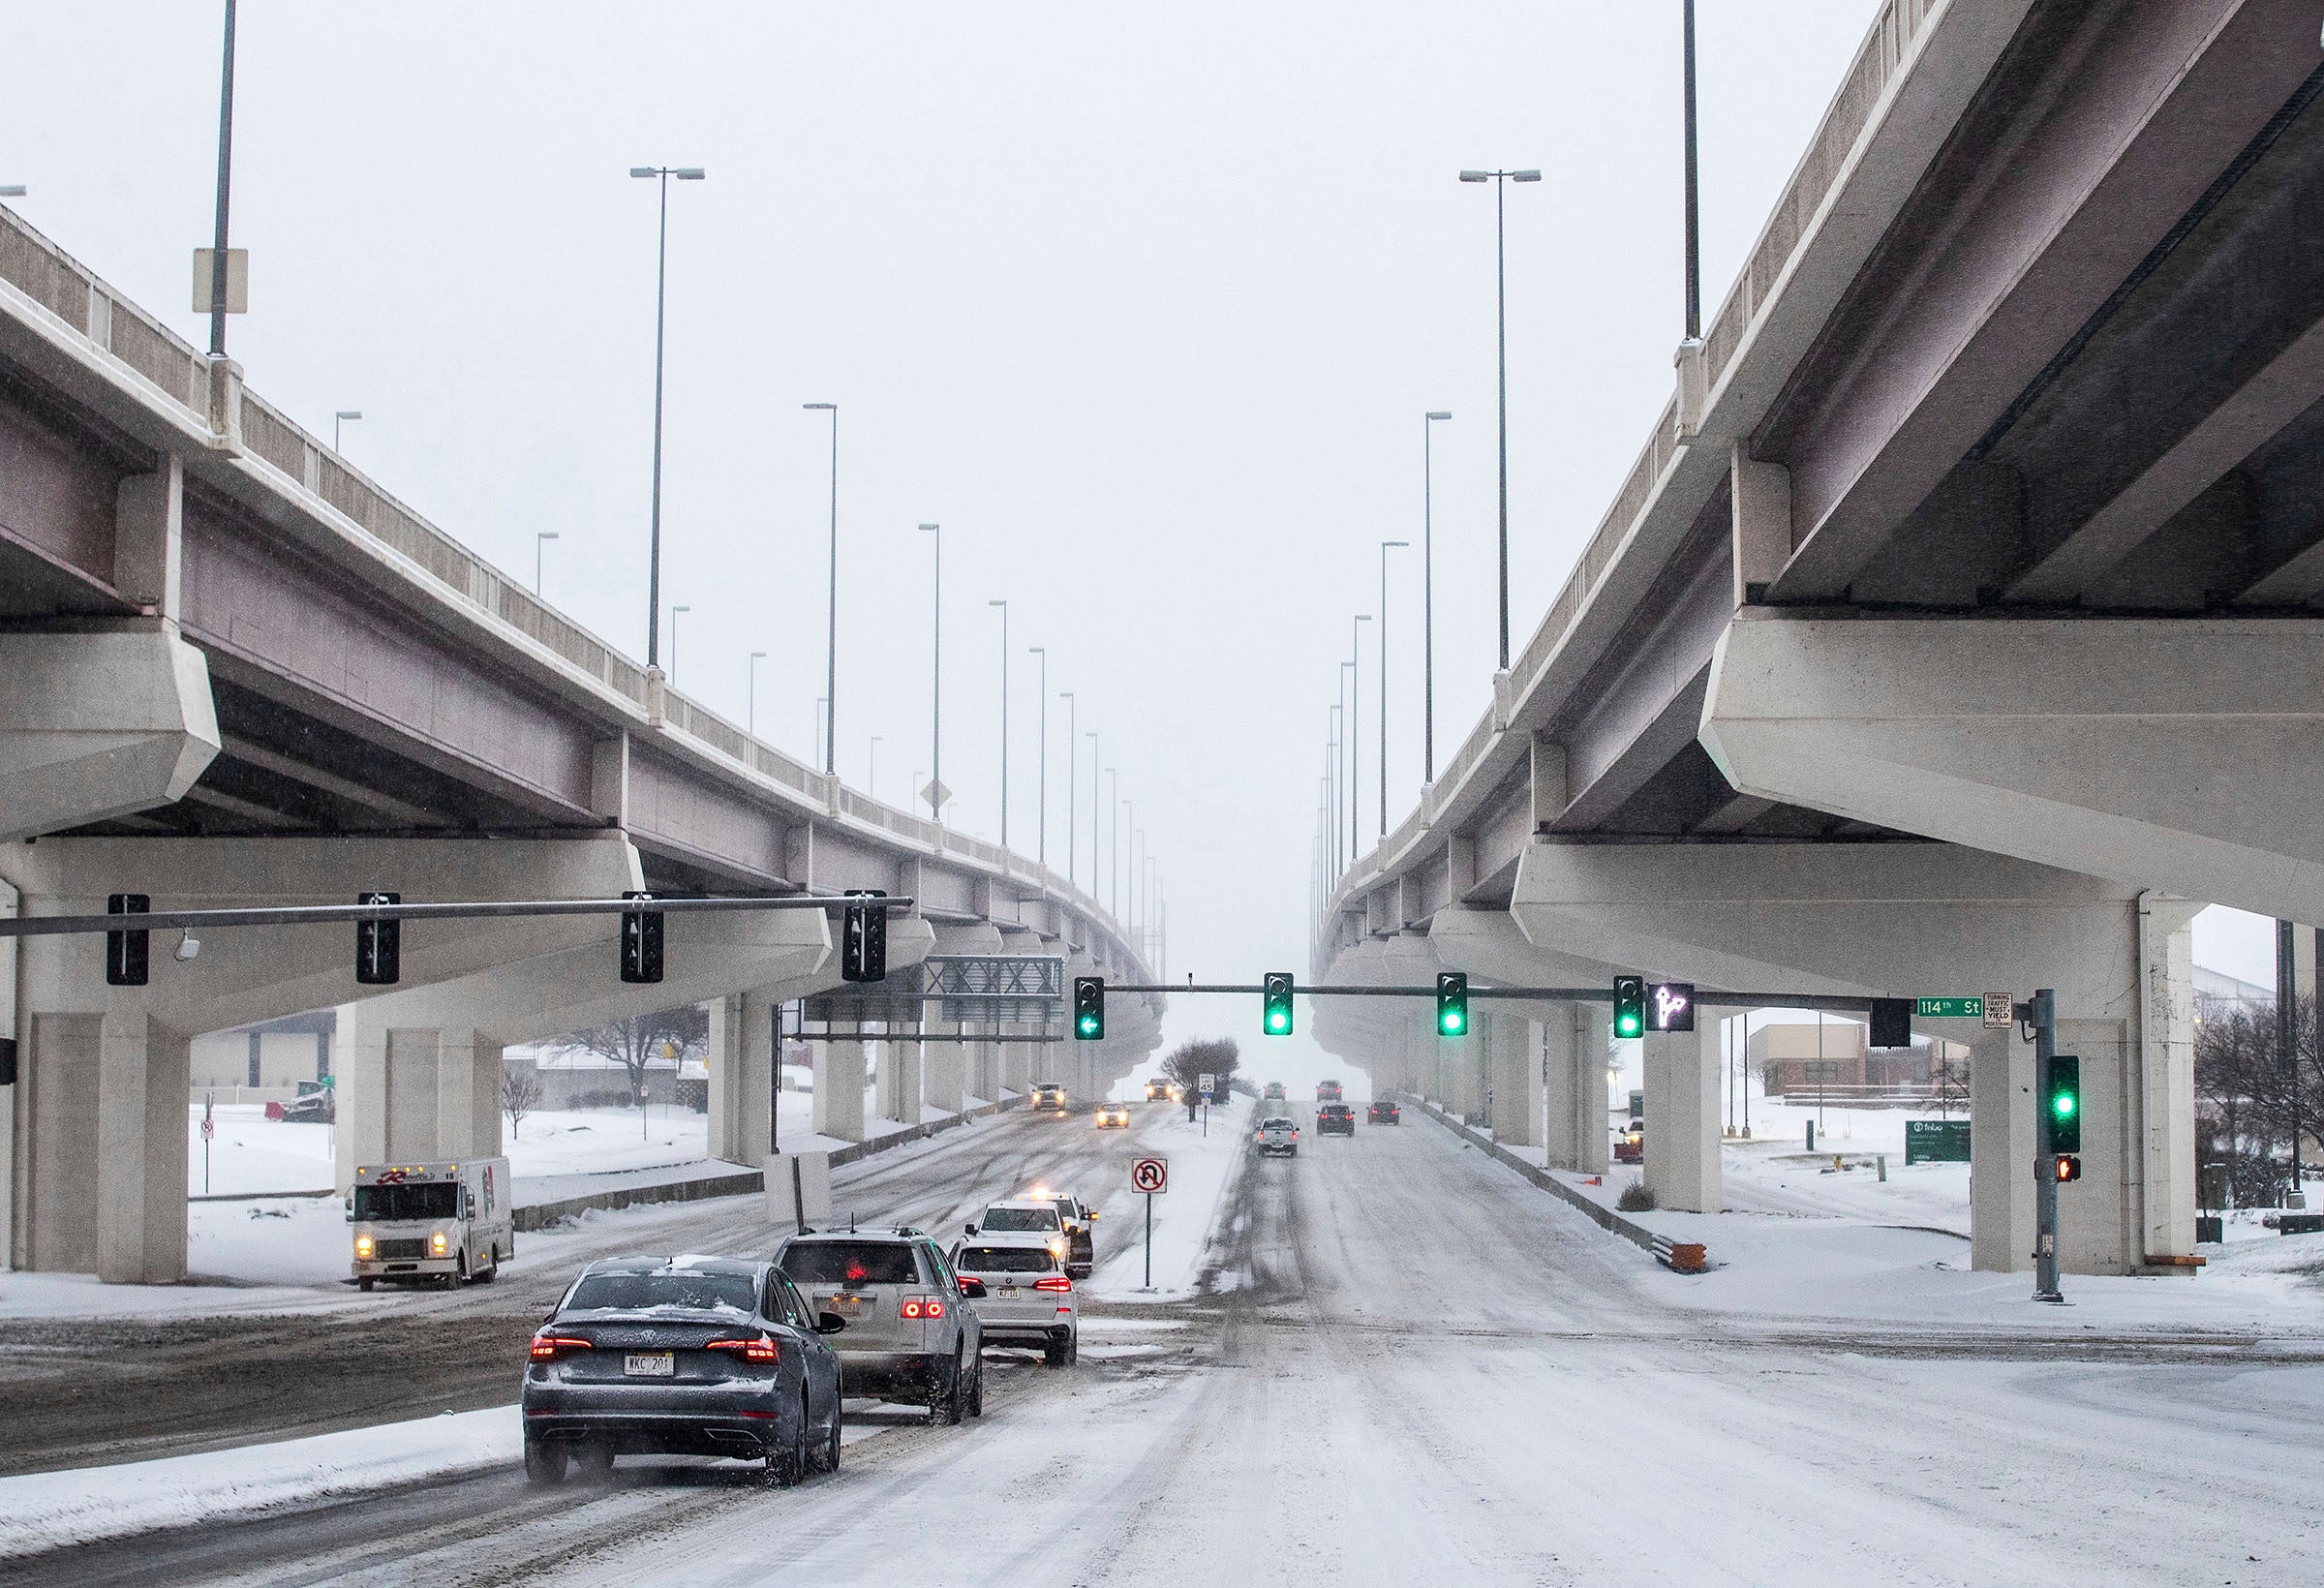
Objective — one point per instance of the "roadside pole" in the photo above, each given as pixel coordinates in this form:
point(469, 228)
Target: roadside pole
point(208, 1130)
point(2042, 1015)
point(1149, 1240)
point(1151, 1178)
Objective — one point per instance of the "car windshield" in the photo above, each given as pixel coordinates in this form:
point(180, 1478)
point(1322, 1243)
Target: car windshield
point(673, 1289)
point(387, 1203)
point(850, 1263)
point(1019, 1218)
point(1006, 1259)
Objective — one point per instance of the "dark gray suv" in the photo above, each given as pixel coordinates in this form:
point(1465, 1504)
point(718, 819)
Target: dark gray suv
point(699, 1356)
point(909, 1335)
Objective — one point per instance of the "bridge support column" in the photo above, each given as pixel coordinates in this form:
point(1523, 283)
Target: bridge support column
point(901, 1078)
point(2001, 1149)
point(1682, 1119)
point(839, 1079)
point(741, 1075)
point(1516, 1070)
point(1593, 1051)
point(100, 724)
point(941, 1067)
point(412, 1094)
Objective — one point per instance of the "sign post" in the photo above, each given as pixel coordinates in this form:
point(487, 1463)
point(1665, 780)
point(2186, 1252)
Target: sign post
point(1208, 1083)
point(208, 1130)
point(1151, 1178)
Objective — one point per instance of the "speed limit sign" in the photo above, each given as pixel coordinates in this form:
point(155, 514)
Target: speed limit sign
point(1151, 1175)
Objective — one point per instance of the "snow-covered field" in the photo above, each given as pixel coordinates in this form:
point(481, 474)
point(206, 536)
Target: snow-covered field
point(1203, 1165)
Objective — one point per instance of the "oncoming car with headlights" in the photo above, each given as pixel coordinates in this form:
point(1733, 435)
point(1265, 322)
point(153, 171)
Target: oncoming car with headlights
point(698, 1356)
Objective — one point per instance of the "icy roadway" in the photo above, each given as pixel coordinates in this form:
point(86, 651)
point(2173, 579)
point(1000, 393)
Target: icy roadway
point(1405, 1364)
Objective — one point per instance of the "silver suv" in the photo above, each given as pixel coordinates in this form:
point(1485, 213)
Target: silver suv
point(908, 1336)
point(1028, 1296)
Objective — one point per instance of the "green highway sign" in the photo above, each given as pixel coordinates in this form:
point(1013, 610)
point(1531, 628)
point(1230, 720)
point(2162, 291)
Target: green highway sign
point(1937, 1141)
point(1949, 1008)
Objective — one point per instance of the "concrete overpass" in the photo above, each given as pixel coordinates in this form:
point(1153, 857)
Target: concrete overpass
point(241, 672)
point(1956, 628)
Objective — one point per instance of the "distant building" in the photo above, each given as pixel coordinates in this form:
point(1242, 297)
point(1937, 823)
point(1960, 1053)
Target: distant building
point(2219, 993)
point(1800, 1058)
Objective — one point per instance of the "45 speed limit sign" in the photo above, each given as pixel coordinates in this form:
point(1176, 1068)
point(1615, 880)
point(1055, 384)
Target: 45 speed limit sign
point(1151, 1175)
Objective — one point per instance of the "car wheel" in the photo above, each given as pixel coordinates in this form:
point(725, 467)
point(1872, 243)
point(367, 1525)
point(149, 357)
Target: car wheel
point(1053, 1354)
point(1073, 1347)
point(489, 1273)
point(544, 1463)
point(976, 1390)
point(787, 1465)
point(952, 1404)
point(594, 1462)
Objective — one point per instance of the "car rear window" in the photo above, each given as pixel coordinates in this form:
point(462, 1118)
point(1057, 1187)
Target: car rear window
point(1019, 1218)
point(1277, 1123)
point(1007, 1260)
point(644, 1291)
point(850, 1263)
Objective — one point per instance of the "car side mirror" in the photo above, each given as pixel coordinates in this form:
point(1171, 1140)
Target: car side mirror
point(351, 1209)
point(830, 1323)
point(971, 1288)
point(1092, 1215)
point(972, 1229)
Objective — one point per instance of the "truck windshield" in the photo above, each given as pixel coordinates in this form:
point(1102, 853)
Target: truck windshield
point(387, 1203)
point(1020, 1218)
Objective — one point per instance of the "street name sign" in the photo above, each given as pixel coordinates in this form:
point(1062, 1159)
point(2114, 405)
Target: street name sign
point(1972, 1008)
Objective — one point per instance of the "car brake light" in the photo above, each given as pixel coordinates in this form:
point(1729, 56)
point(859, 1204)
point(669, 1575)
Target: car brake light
point(1053, 1282)
point(910, 1307)
point(549, 1346)
point(760, 1350)
point(935, 1306)
point(922, 1306)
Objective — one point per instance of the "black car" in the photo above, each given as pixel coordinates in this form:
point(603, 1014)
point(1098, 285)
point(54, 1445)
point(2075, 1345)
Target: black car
point(696, 1355)
point(1384, 1112)
point(1334, 1119)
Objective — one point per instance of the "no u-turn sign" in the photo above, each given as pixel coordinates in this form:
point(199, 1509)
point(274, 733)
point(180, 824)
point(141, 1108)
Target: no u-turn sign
point(1151, 1175)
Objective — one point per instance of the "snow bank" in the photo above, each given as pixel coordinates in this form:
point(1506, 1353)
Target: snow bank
point(1201, 1172)
point(81, 1505)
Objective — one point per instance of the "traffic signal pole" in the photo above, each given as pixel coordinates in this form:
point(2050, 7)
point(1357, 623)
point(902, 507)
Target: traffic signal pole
point(2041, 1012)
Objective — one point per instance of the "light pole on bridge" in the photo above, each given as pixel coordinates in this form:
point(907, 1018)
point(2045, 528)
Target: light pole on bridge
point(1386, 546)
point(340, 417)
point(540, 538)
point(1005, 719)
point(935, 690)
point(1428, 593)
point(1041, 760)
point(674, 612)
point(1355, 705)
point(831, 623)
point(1500, 181)
point(1073, 756)
point(661, 279)
point(750, 711)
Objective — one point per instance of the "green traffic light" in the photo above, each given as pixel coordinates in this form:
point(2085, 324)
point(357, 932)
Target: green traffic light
point(1276, 1020)
point(1630, 1025)
point(1452, 1023)
point(2062, 1103)
point(1089, 1022)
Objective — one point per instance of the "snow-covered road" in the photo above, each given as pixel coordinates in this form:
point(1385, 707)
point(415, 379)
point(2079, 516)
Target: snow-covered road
point(1433, 1372)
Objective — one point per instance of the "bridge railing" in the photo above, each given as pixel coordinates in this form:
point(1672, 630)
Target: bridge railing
point(1887, 45)
point(165, 361)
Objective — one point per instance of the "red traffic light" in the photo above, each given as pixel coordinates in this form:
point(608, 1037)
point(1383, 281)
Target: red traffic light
point(2067, 1167)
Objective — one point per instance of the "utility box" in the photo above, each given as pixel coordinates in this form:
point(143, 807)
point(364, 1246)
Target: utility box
point(799, 1189)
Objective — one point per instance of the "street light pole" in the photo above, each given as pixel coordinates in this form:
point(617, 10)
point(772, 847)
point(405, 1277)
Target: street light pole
point(1096, 754)
point(872, 768)
point(661, 280)
point(674, 611)
point(1694, 216)
point(341, 417)
point(1386, 546)
point(751, 711)
point(1041, 759)
point(1073, 757)
point(1113, 843)
point(935, 731)
point(1004, 720)
point(1500, 181)
point(541, 537)
point(1428, 595)
point(831, 623)
point(1355, 705)
point(225, 166)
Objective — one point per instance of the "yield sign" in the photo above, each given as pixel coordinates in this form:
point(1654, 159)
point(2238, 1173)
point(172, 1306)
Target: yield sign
point(1151, 1175)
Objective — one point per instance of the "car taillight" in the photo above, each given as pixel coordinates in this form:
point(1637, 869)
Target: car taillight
point(1053, 1282)
point(760, 1350)
point(549, 1346)
point(923, 1306)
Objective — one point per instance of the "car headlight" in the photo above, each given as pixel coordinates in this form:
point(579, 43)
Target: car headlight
point(363, 1248)
point(438, 1246)
point(1057, 1248)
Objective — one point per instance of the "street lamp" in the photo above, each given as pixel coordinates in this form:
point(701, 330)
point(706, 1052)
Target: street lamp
point(1428, 595)
point(1694, 214)
point(751, 711)
point(1113, 839)
point(1073, 754)
point(225, 166)
point(1096, 751)
point(872, 768)
point(830, 625)
point(1500, 181)
point(674, 611)
point(1355, 704)
point(1004, 720)
point(540, 538)
point(341, 417)
point(935, 685)
point(1041, 759)
point(14, 190)
point(1386, 546)
point(661, 277)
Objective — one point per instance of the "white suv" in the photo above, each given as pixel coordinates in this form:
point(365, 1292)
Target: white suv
point(1035, 1216)
point(1028, 1296)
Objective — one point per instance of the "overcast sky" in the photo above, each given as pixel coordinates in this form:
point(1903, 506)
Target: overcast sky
point(1144, 305)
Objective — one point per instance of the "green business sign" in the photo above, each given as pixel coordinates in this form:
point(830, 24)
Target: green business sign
point(1949, 1008)
point(1937, 1141)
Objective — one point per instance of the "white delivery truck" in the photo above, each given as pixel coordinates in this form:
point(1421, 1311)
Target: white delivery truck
point(438, 1223)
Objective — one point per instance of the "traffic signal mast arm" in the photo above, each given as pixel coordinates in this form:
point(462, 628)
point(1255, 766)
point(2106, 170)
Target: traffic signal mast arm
point(291, 915)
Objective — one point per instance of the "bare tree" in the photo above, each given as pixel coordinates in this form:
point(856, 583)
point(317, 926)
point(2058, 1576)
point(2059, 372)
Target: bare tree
point(520, 1093)
point(636, 1042)
point(1190, 1061)
point(2249, 1101)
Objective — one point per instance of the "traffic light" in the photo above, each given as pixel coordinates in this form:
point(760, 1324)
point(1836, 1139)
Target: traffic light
point(1629, 1006)
point(126, 952)
point(641, 941)
point(2062, 1099)
point(1451, 1004)
point(1891, 1024)
point(378, 945)
point(2067, 1166)
point(863, 938)
point(1274, 1007)
point(1089, 1008)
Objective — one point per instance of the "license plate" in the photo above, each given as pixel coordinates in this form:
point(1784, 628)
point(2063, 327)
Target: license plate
point(1008, 1293)
point(844, 1304)
point(649, 1365)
